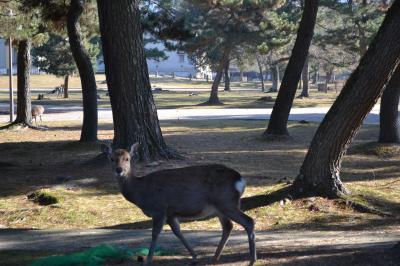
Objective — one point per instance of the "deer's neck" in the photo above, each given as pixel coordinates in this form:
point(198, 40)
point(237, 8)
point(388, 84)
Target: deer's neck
point(128, 186)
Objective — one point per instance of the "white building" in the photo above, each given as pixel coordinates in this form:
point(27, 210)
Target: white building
point(177, 63)
point(4, 58)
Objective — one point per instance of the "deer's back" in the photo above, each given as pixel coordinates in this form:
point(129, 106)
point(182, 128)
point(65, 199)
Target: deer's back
point(189, 192)
point(37, 110)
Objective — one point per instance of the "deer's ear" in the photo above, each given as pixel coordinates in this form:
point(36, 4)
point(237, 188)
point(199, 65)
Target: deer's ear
point(106, 149)
point(134, 148)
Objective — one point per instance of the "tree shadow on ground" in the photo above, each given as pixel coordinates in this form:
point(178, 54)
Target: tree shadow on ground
point(289, 256)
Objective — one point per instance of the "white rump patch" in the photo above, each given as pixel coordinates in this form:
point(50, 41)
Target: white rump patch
point(240, 185)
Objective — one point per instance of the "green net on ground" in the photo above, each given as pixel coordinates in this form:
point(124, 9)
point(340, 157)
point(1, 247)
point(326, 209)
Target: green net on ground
point(96, 256)
point(159, 251)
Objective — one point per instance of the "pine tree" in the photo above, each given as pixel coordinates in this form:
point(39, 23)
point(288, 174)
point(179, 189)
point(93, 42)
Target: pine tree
point(221, 28)
point(280, 114)
point(134, 112)
point(68, 15)
point(55, 57)
point(23, 28)
point(320, 171)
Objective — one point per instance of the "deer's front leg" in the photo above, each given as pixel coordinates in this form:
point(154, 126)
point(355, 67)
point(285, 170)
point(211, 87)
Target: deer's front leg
point(158, 222)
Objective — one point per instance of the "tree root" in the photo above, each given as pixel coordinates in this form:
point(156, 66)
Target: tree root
point(21, 125)
point(359, 207)
point(289, 192)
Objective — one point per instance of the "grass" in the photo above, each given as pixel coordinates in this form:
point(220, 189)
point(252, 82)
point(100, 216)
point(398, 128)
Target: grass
point(43, 197)
point(382, 150)
point(176, 93)
point(54, 161)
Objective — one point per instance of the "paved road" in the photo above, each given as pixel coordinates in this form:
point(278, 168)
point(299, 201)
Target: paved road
point(315, 114)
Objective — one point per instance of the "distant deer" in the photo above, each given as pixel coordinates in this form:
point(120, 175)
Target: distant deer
point(37, 111)
point(187, 193)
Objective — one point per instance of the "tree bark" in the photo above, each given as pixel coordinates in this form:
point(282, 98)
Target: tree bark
point(227, 77)
point(134, 112)
point(389, 124)
point(24, 108)
point(284, 101)
point(66, 86)
point(217, 80)
point(328, 78)
point(275, 78)
point(86, 73)
point(260, 69)
point(320, 172)
point(304, 75)
point(315, 77)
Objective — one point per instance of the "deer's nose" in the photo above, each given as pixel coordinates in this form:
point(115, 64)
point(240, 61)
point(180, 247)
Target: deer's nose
point(118, 170)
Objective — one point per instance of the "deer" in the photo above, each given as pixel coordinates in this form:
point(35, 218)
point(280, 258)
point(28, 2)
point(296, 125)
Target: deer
point(183, 194)
point(37, 111)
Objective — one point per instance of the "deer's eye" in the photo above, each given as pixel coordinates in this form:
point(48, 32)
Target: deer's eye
point(127, 159)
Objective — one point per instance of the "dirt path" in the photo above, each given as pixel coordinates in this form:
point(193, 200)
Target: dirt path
point(274, 247)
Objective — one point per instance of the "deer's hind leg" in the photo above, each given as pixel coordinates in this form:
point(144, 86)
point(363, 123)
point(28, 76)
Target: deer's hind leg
point(226, 231)
point(176, 229)
point(236, 215)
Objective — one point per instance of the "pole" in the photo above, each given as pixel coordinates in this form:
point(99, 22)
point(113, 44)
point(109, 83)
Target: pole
point(10, 75)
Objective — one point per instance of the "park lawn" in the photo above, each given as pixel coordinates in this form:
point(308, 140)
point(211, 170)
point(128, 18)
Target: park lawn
point(90, 199)
point(176, 93)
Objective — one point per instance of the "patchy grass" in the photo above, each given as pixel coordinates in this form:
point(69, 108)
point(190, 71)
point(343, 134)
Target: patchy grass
point(53, 160)
point(43, 197)
point(176, 93)
point(382, 150)
point(47, 81)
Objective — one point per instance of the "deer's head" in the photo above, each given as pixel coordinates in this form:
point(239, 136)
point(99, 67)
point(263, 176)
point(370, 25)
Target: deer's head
point(120, 159)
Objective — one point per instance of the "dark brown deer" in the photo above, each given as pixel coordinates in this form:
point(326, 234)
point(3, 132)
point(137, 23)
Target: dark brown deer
point(185, 193)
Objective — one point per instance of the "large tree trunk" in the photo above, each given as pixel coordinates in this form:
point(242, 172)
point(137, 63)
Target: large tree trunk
point(283, 103)
point(66, 86)
point(275, 78)
point(24, 108)
point(315, 76)
point(304, 75)
point(320, 172)
point(389, 123)
point(217, 80)
point(85, 68)
point(214, 99)
point(134, 112)
point(260, 69)
point(328, 78)
point(227, 77)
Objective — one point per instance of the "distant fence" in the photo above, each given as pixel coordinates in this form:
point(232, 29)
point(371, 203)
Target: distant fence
point(34, 71)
